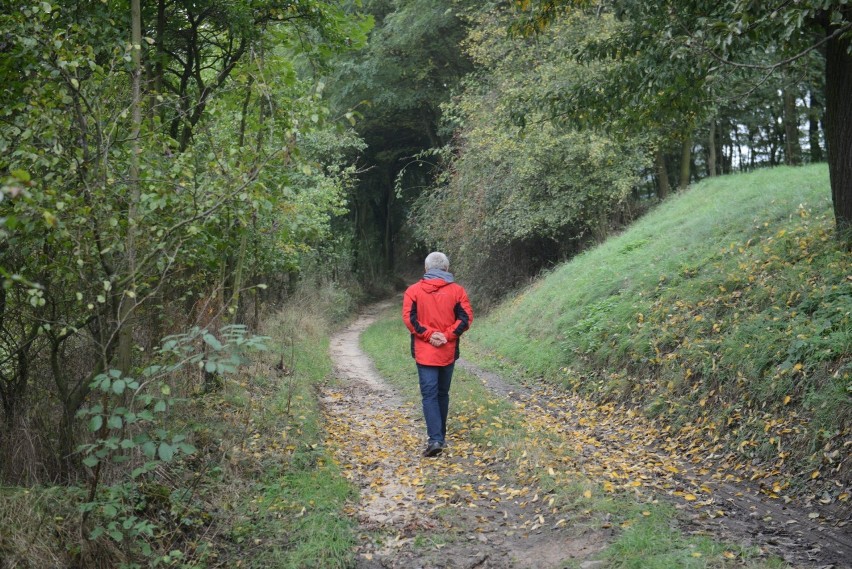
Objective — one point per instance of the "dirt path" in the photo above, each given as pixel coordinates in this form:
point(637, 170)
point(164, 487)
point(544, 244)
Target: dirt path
point(492, 524)
point(466, 509)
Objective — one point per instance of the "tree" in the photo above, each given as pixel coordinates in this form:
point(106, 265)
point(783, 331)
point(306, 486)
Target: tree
point(396, 86)
point(520, 189)
point(108, 217)
point(737, 35)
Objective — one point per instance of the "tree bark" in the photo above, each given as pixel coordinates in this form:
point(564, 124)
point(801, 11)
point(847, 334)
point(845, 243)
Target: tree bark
point(387, 241)
point(814, 112)
point(711, 149)
point(792, 148)
point(838, 128)
point(663, 187)
point(685, 158)
point(126, 301)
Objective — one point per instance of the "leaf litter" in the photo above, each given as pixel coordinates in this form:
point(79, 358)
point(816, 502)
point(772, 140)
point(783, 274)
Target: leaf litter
point(483, 505)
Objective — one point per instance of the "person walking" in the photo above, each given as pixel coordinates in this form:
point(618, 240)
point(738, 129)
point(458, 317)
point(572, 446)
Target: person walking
point(437, 312)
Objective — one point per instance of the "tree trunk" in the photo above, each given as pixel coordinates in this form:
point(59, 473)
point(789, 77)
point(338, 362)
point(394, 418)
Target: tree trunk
point(838, 128)
point(387, 242)
point(814, 112)
point(685, 158)
point(711, 149)
point(792, 148)
point(663, 187)
point(126, 301)
point(729, 135)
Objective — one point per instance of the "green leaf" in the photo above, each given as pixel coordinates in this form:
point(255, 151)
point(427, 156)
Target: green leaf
point(166, 452)
point(114, 422)
point(90, 461)
point(95, 423)
point(149, 449)
point(210, 366)
point(212, 341)
point(118, 386)
point(21, 175)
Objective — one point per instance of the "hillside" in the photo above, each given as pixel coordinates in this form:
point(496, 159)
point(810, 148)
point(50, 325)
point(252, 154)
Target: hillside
point(724, 314)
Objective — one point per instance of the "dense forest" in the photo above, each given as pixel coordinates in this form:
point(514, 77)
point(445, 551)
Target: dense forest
point(174, 171)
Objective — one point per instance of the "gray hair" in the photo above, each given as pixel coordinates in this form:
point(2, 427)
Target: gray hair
point(437, 260)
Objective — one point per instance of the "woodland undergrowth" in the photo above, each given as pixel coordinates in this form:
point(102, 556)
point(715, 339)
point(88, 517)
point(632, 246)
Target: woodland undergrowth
point(254, 487)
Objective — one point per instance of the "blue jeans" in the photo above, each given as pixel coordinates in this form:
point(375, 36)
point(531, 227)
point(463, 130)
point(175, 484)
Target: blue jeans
point(435, 391)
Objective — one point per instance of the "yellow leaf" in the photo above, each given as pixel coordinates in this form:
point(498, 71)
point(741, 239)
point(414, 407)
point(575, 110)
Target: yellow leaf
point(696, 554)
point(814, 474)
point(689, 497)
point(787, 399)
point(587, 494)
point(729, 555)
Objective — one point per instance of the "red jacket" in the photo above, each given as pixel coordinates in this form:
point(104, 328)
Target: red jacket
point(436, 305)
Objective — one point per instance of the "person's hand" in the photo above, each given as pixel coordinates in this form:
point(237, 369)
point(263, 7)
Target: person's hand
point(437, 339)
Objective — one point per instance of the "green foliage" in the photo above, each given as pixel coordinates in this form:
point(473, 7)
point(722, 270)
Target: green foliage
point(129, 428)
point(672, 64)
point(241, 166)
point(242, 169)
point(392, 92)
point(537, 192)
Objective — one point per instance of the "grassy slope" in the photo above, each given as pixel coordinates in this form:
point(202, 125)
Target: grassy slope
point(727, 308)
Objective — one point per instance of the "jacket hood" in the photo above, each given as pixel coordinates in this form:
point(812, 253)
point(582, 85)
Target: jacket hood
point(435, 279)
point(432, 274)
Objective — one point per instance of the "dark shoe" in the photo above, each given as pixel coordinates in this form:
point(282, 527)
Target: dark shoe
point(434, 448)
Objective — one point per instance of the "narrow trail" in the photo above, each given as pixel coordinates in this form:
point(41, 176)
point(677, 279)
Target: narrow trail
point(378, 440)
point(486, 506)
